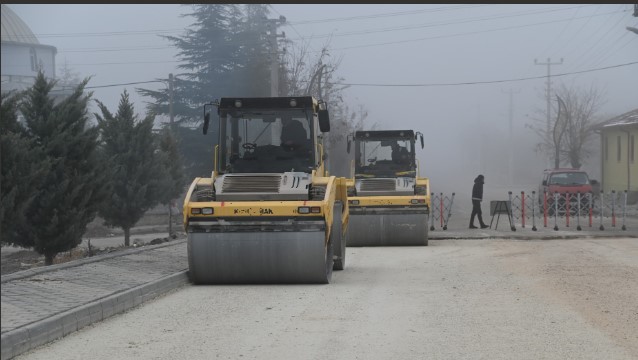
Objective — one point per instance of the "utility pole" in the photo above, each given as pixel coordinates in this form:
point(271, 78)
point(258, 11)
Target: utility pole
point(172, 132)
point(511, 135)
point(271, 32)
point(480, 145)
point(170, 101)
point(549, 64)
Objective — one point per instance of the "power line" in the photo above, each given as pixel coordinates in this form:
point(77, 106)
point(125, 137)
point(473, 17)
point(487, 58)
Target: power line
point(292, 27)
point(132, 83)
point(129, 63)
point(114, 85)
point(136, 48)
point(571, 40)
point(622, 47)
point(597, 59)
point(463, 33)
point(455, 22)
point(177, 30)
point(485, 82)
point(583, 59)
point(165, 31)
point(362, 32)
point(108, 33)
point(373, 16)
point(561, 33)
point(403, 85)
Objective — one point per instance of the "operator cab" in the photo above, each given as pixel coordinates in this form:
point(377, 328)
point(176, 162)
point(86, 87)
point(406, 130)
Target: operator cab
point(384, 153)
point(268, 135)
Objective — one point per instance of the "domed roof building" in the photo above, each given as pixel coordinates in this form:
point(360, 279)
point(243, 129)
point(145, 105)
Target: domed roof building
point(22, 55)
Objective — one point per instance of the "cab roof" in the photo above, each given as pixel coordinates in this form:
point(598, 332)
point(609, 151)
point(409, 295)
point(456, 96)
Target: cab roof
point(286, 102)
point(564, 170)
point(384, 134)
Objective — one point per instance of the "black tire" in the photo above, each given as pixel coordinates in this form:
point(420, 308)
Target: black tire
point(329, 260)
point(425, 243)
point(339, 240)
point(192, 275)
point(340, 261)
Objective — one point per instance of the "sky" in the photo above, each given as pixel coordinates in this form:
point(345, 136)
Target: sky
point(470, 77)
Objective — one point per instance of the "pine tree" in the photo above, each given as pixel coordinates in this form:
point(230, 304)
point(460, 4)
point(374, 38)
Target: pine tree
point(68, 198)
point(133, 168)
point(22, 170)
point(224, 53)
point(173, 185)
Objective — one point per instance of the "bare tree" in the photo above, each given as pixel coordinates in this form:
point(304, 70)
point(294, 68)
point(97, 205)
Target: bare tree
point(318, 77)
point(582, 108)
point(571, 137)
point(67, 78)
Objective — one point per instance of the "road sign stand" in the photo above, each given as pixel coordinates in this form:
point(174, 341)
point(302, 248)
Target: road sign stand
point(499, 207)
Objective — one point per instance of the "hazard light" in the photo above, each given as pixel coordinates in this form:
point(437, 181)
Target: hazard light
point(309, 209)
point(202, 211)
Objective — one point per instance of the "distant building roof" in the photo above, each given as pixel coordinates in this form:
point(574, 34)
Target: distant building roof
point(627, 119)
point(14, 29)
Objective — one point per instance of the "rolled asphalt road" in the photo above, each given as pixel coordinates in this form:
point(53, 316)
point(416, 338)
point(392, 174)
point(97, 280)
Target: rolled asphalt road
point(43, 304)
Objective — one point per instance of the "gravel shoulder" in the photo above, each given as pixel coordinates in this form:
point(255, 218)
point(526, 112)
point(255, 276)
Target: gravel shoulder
point(455, 299)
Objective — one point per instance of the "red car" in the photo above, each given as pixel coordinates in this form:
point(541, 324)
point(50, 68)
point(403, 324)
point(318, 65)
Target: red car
point(565, 181)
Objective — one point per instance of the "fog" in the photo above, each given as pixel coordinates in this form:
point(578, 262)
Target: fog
point(460, 74)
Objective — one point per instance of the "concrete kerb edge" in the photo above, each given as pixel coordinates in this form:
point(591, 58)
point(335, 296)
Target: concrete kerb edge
point(28, 337)
point(42, 269)
point(535, 237)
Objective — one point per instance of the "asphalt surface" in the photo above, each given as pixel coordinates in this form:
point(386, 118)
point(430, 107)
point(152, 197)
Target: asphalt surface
point(43, 304)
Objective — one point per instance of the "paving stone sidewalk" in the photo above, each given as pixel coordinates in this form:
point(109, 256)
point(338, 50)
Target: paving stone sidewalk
point(43, 304)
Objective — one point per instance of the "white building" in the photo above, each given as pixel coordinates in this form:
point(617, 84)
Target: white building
point(22, 55)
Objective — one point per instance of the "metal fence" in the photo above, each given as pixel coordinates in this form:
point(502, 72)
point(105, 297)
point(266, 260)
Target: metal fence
point(569, 209)
point(441, 210)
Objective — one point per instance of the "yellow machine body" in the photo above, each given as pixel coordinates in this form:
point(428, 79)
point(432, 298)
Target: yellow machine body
point(266, 215)
point(389, 202)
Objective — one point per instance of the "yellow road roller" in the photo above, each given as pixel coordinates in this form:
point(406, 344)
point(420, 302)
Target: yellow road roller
point(389, 201)
point(269, 213)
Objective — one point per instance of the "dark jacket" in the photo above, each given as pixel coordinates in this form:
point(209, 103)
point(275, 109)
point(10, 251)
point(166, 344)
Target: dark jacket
point(477, 189)
point(293, 131)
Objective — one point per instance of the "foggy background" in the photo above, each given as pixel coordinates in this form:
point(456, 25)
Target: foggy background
point(440, 69)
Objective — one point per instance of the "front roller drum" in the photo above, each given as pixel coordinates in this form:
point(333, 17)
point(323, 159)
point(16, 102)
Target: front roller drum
point(259, 257)
point(388, 230)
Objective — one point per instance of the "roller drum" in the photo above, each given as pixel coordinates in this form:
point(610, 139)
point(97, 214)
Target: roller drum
point(388, 229)
point(259, 257)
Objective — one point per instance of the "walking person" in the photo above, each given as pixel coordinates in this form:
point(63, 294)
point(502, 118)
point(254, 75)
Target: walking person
point(477, 197)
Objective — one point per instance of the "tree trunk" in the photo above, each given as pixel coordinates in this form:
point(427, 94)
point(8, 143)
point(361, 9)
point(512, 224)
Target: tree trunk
point(170, 218)
point(127, 237)
point(48, 259)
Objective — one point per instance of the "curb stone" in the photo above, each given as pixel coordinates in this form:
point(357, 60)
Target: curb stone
point(36, 334)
